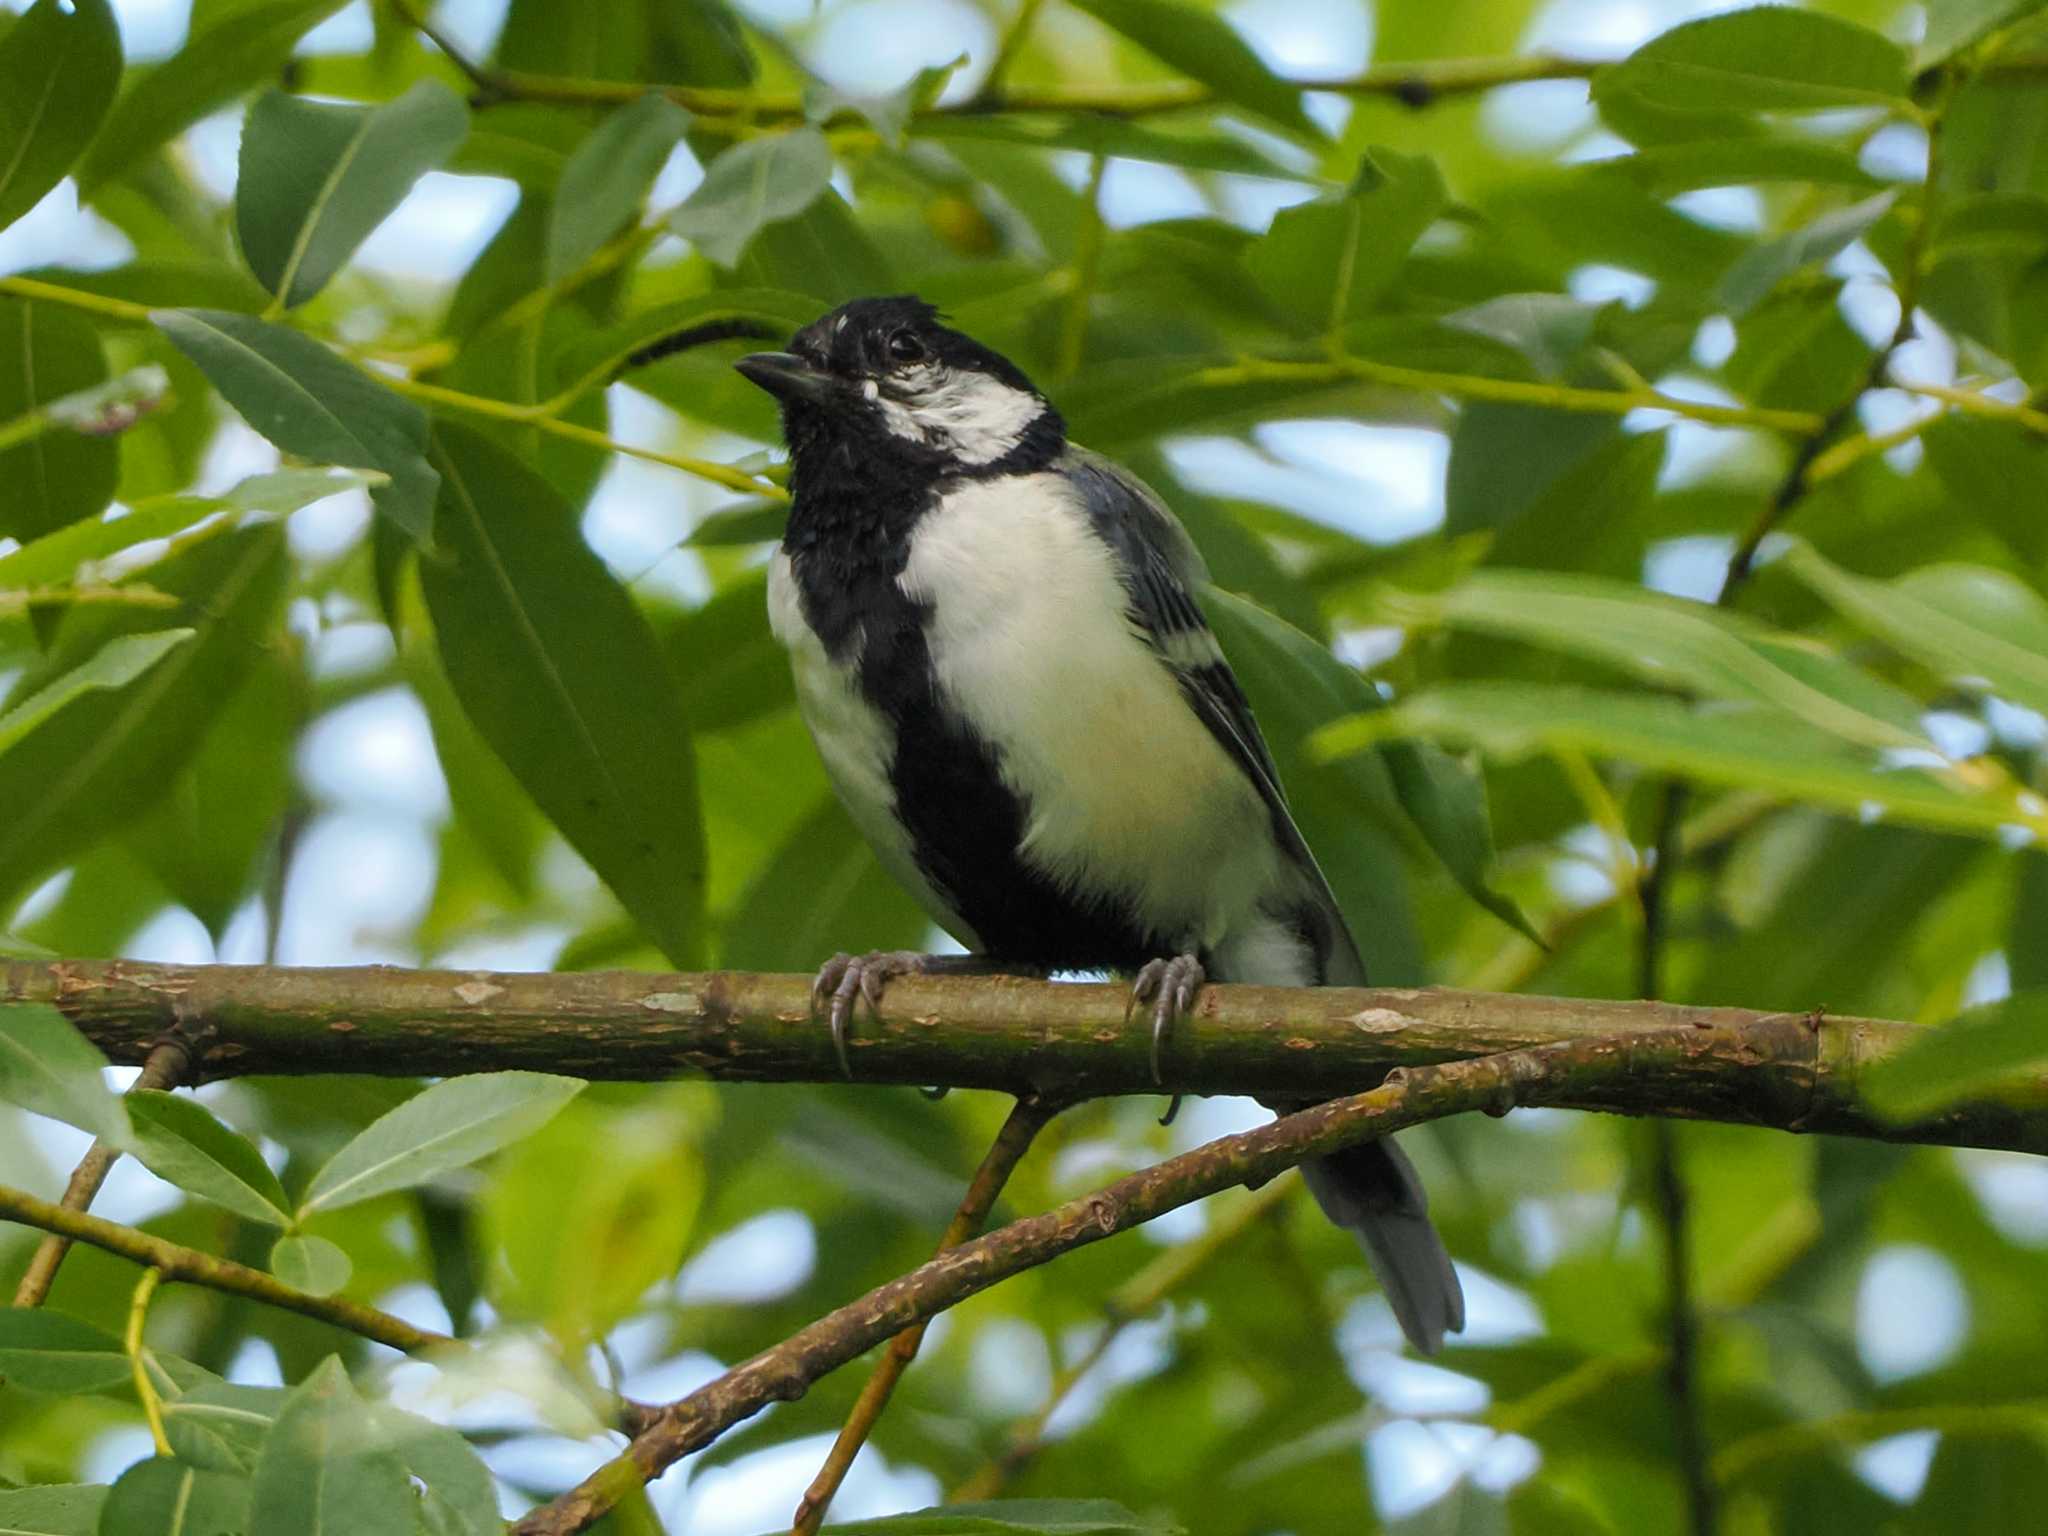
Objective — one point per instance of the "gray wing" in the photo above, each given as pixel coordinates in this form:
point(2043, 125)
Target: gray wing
point(1161, 568)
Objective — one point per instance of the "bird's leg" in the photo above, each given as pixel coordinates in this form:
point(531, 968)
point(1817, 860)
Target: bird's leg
point(845, 977)
point(1170, 987)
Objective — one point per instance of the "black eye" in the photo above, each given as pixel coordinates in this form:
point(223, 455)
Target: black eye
point(905, 348)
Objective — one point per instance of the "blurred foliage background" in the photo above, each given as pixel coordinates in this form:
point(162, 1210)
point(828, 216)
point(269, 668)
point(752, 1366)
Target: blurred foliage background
point(349, 613)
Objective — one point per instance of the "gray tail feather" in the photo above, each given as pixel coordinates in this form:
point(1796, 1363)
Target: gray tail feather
point(1371, 1190)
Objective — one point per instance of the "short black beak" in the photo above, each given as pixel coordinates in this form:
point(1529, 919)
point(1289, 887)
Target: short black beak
point(786, 376)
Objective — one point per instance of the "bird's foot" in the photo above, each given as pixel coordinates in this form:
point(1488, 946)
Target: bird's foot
point(845, 977)
point(1169, 987)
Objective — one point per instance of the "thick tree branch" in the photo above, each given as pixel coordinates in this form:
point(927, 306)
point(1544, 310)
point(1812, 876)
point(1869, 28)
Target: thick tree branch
point(1797, 1072)
point(1496, 1083)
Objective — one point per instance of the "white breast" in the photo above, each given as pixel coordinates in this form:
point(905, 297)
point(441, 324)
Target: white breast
point(855, 741)
point(1125, 791)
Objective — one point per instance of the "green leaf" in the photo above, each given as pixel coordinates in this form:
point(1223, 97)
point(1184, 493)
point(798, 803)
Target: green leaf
point(1203, 46)
point(1991, 224)
point(755, 183)
point(1953, 25)
point(177, 1138)
point(1763, 267)
point(323, 1471)
point(1967, 623)
point(606, 178)
point(1768, 58)
point(119, 664)
point(64, 1509)
point(309, 402)
point(1973, 1054)
point(1328, 262)
point(589, 1214)
point(1670, 643)
point(1669, 169)
point(162, 1497)
point(107, 757)
point(49, 1067)
point(560, 673)
point(221, 1426)
point(1014, 1517)
point(46, 1351)
point(59, 67)
point(310, 1264)
point(317, 178)
point(56, 478)
point(731, 667)
point(1748, 747)
point(821, 891)
point(460, 1491)
point(217, 63)
point(1443, 803)
point(61, 557)
point(449, 1125)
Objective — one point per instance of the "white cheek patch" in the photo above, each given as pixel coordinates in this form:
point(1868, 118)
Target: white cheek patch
point(973, 416)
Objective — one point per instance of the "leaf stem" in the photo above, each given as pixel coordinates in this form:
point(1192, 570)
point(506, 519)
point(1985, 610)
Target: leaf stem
point(138, 1314)
point(536, 416)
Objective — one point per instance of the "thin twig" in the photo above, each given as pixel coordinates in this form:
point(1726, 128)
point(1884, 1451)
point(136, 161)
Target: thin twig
point(1132, 1301)
point(166, 1066)
point(785, 1371)
point(1026, 1119)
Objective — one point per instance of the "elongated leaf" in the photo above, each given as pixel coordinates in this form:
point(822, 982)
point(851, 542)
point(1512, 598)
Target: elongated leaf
point(317, 178)
point(106, 757)
point(1967, 623)
point(65, 1509)
point(46, 1351)
point(177, 1138)
point(221, 1426)
point(310, 1264)
point(460, 1491)
point(162, 1497)
point(606, 178)
point(123, 660)
point(66, 555)
point(1328, 262)
point(755, 183)
point(1670, 642)
point(562, 676)
point(217, 63)
point(1972, 1054)
point(821, 892)
point(323, 1471)
point(311, 403)
point(59, 67)
point(1953, 25)
point(1204, 47)
point(57, 478)
point(1767, 58)
point(447, 1126)
point(49, 1067)
point(1744, 747)
point(1760, 270)
point(1439, 800)
point(731, 667)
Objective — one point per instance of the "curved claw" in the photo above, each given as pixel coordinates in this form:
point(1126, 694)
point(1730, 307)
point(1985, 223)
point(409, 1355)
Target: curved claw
point(1170, 987)
point(845, 978)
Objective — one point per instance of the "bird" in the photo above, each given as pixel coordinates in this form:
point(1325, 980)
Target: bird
point(998, 653)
